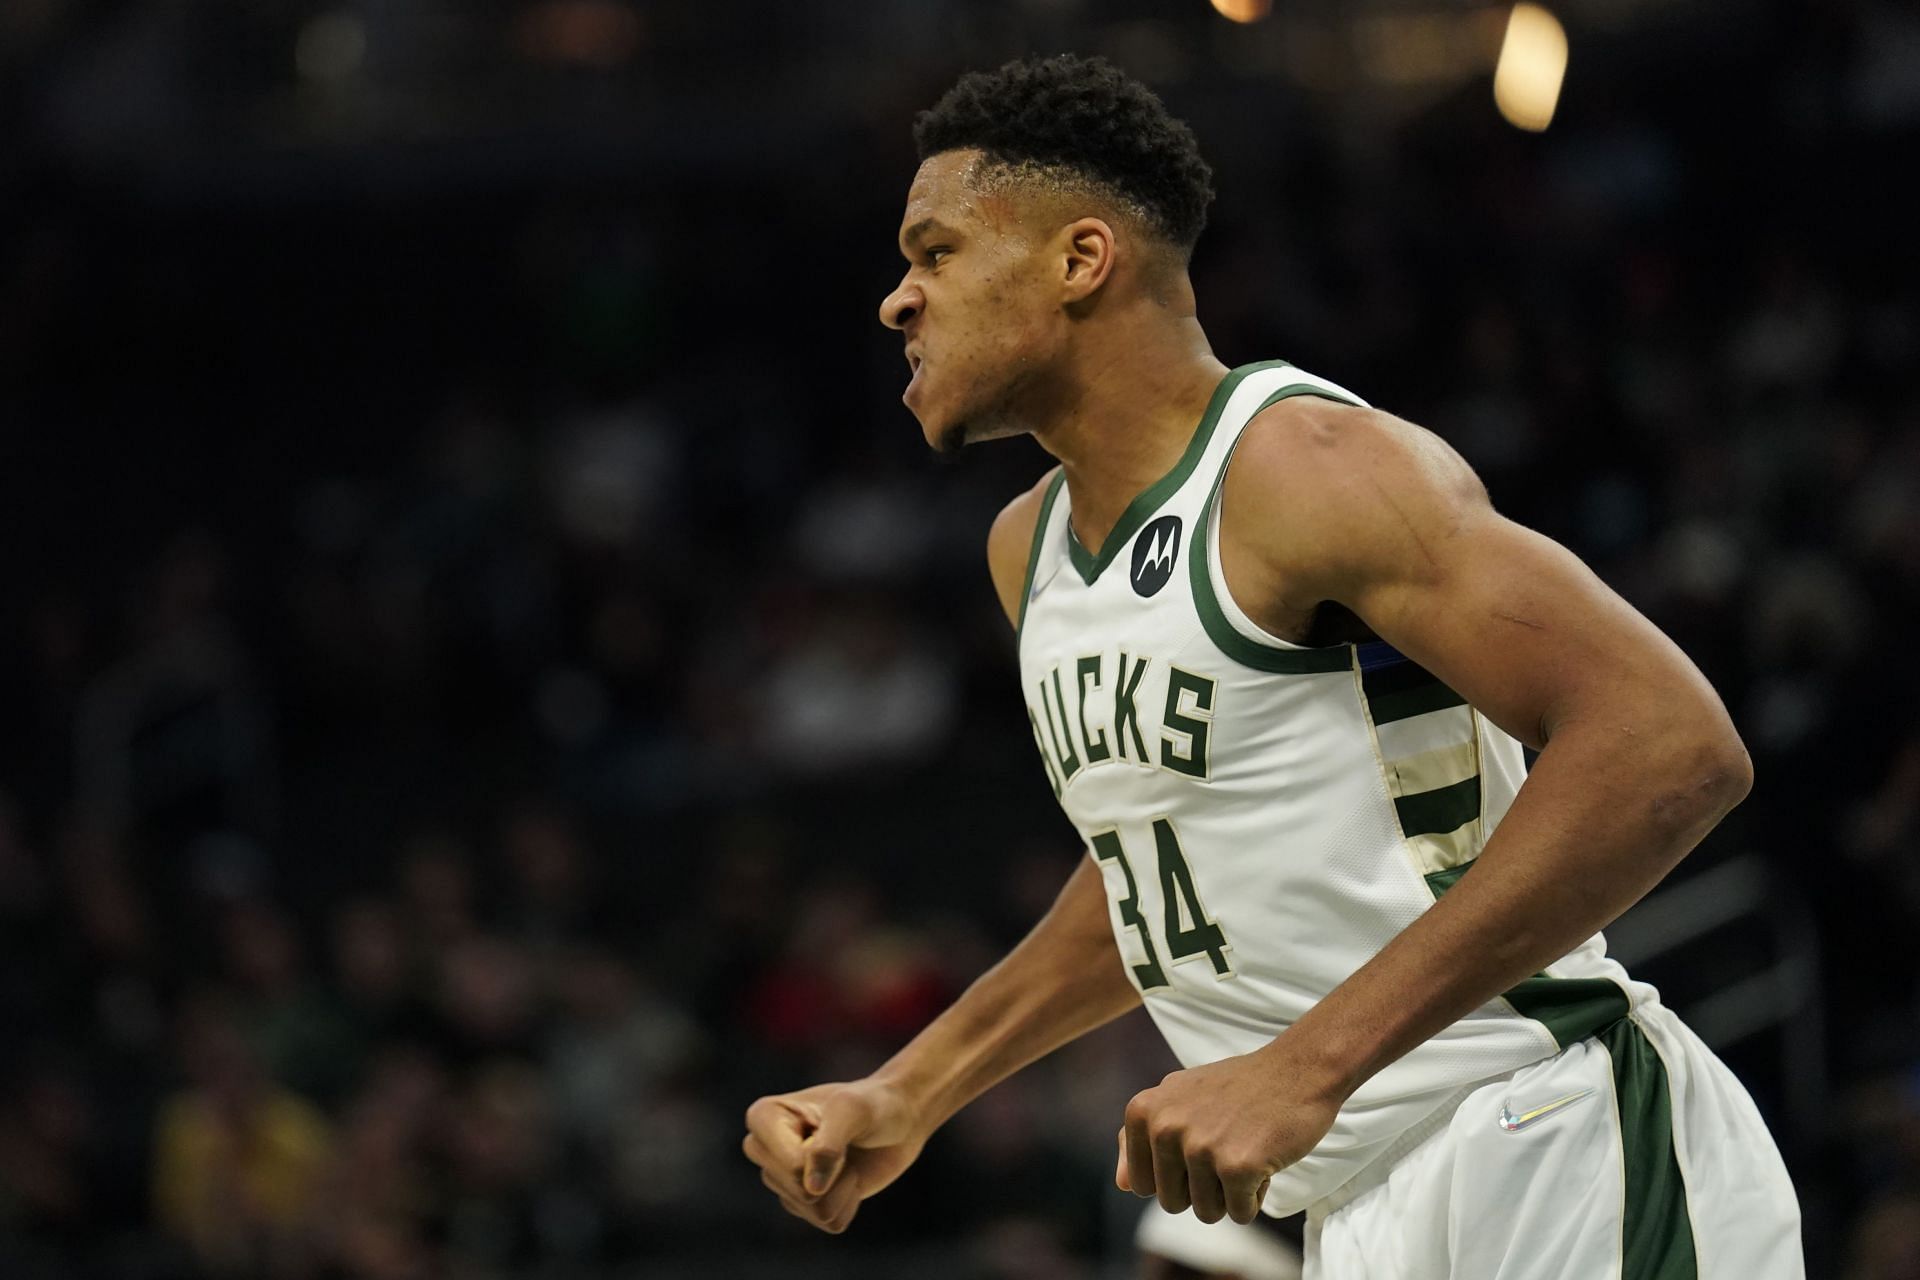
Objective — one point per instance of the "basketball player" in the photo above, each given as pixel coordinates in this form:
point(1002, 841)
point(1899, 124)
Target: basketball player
point(1281, 657)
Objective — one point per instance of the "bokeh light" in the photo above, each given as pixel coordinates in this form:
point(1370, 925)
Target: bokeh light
point(1533, 62)
point(1244, 10)
point(331, 47)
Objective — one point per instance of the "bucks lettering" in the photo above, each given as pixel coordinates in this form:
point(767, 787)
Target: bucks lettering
point(1089, 712)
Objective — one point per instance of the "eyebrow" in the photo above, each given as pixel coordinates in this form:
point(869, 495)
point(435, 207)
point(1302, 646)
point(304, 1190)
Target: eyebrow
point(920, 228)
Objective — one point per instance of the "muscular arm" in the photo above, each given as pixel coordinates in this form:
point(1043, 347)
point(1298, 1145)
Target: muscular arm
point(1638, 761)
point(823, 1150)
point(1062, 980)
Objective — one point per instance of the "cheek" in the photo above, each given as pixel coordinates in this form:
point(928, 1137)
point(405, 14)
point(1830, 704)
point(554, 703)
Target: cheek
point(1013, 316)
point(997, 323)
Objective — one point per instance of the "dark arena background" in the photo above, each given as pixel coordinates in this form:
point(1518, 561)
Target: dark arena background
point(491, 680)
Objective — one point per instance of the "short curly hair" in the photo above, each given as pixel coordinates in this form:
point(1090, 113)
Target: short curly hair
point(1078, 123)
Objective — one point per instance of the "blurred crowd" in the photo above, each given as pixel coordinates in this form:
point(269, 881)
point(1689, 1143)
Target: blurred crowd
point(482, 705)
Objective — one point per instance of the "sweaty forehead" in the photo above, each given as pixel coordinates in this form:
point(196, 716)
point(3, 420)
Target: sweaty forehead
point(943, 193)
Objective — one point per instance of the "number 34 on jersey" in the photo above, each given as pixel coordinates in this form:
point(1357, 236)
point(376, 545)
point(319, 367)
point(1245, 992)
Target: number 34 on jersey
point(1186, 930)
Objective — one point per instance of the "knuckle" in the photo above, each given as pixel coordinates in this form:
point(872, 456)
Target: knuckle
point(1139, 1110)
point(1238, 1166)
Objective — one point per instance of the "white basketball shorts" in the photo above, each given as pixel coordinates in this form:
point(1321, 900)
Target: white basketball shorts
point(1631, 1155)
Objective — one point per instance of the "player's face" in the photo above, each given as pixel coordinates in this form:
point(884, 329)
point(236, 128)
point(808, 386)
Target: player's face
point(980, 329)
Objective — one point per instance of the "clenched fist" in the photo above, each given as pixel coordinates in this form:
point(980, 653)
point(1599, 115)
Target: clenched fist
point(1213, 1136)
point(823, 1150)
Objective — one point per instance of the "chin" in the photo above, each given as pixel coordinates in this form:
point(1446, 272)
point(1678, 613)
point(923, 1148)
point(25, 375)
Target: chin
point(972, 423)
point(943, 437)
point(948, 434)
point(943, 433)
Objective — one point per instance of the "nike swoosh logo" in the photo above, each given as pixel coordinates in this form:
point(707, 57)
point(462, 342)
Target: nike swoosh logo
point(1514, 1123)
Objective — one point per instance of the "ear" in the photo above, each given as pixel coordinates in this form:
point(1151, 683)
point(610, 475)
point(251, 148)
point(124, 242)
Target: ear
point(1088, 250)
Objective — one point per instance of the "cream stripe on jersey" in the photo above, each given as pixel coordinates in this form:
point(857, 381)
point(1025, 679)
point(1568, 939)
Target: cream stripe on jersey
point(1432, 773)
point(1446, 851)
point(1432, 770)
point(1417, 735)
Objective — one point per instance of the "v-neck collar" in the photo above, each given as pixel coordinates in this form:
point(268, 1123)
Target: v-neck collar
point(1141, 509)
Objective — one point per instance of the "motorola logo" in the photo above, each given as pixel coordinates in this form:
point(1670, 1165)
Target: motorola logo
point(1155, 551)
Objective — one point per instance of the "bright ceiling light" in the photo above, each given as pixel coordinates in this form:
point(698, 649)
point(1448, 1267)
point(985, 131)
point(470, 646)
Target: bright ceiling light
point(1244, 10)
point(1533, 63)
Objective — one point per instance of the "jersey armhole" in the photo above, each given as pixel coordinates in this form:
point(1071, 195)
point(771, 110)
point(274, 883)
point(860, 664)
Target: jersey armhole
point(1227, 624)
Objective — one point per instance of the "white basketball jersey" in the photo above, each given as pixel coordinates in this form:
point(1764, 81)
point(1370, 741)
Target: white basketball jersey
point(1267, 816)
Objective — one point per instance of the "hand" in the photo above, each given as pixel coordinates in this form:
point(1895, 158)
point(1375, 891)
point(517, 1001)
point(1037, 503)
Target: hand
point(1213, 1136)
point(823, 1150)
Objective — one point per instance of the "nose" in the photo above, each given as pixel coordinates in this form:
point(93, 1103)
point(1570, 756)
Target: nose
point(898, 308)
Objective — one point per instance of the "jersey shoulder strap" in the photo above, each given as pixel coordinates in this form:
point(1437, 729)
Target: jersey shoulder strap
point(1226, 624)
point(1048, 502)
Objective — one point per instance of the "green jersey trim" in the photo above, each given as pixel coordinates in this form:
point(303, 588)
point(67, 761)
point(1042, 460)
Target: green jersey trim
point(1243, 649)
point(1436, 812)
point(1033, 551)
point(1434, 779)
point(1571, 1009)
point(1141, 509)
point(1405, 690)
point(1656, 1236)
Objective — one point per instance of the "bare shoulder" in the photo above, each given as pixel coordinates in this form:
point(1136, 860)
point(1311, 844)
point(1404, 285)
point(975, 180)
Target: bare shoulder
point(1308, 442)
point(1010, 544)
point(1322, 492)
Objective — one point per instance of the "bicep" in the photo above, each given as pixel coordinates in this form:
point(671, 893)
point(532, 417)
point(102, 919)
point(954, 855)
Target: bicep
point(1521, 628)
point(1386, 519)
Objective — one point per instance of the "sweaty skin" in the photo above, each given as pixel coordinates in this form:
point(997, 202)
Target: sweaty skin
point(1042, 318)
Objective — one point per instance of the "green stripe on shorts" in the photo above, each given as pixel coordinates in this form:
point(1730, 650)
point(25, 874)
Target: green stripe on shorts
point(1657, 1234)
point(1569, 1008)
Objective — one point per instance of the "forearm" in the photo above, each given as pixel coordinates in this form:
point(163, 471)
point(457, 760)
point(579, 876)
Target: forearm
point(1604, 815)
point(1062, 980)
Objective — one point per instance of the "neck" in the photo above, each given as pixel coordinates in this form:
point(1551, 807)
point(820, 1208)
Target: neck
point(1125, 418)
